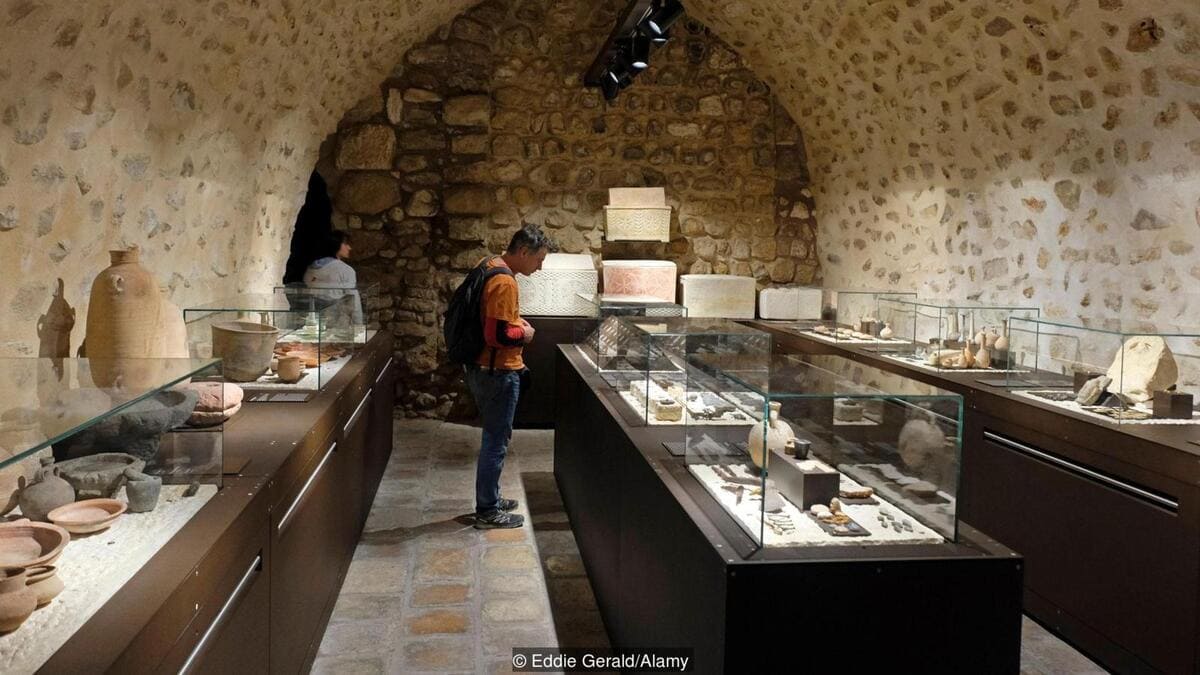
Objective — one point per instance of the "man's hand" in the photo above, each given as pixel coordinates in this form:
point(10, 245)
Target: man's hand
point(529, 331)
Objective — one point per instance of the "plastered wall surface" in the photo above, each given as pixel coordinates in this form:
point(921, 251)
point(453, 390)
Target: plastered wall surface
point(1042, 150)
point(186, 128)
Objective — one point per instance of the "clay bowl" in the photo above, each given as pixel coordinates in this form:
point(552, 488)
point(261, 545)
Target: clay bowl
point(44, 581)
point(98, 475)
point(26, 544)
point(89, 515)
point(135, 430)
point(245, 348)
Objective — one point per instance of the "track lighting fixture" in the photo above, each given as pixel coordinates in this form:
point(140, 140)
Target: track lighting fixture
point(643, 27)
point(667, 13)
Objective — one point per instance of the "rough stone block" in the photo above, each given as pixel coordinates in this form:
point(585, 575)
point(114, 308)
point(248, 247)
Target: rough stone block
point(468, 111)
point(469, 200)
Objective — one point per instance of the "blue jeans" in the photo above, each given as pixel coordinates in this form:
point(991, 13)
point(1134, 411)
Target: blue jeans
point(496, 395)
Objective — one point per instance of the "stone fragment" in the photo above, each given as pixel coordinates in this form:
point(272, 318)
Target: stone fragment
point(1068, 192)
point(469, 200)
point(367, 193)
point(423, 204)
point(416, 95)
point(1144, 365)
point(468, 111)
point(369, 146)
point(1143, 35)
point(1064, 105)
point(1144, 220)
point(998, 26)
point(395, 106)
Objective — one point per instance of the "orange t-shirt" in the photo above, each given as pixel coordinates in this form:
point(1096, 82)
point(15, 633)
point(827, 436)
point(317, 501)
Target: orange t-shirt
point(501, 302)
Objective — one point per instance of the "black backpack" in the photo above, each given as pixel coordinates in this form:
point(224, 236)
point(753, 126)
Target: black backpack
point(462, 324)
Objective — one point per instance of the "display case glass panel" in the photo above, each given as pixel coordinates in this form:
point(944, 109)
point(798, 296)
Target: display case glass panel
point(851, 316)
point(948, 334)
point(292, 340)
point(352, 320)
point(1118, 371)
point(838, 453)
point(643, 360)
point(595, 336)
point(120, 453)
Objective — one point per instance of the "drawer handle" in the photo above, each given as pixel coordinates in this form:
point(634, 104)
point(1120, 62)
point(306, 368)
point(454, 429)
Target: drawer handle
point(384, 371)
point(222, 615)
point(1165, 502)
point(304, 490)
point(357, 413)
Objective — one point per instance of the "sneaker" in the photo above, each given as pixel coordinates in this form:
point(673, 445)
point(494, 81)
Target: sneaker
point(508, 504)
point(498, 520)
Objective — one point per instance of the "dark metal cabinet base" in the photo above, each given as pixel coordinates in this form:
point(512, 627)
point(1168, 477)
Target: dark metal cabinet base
point(537, 408)
point(665, 574)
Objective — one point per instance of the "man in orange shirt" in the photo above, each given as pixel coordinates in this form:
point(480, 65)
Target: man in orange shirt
point(495, 377)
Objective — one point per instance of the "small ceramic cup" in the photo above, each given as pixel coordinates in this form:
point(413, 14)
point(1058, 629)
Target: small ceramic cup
point(291, 369)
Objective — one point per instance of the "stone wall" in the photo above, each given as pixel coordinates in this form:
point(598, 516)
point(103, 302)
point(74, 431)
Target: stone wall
point(486, 125)
point(1044, 151)
point(186, 128)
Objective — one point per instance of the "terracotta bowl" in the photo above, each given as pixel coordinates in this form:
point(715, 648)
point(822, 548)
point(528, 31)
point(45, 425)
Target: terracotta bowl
point(25, 544)
point(245, 348)
point(44, 581)
point(89, 515)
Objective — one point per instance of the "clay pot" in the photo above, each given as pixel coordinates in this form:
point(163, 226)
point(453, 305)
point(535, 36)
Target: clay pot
point(887, 333)
point(246, 348)
point(290, 369)
point(141, 491)
point(774, 435)
point(98, 475)
point(136, 430)
point(983, 358)
point(47, 492)
point(17, 600)
point(45, 583)
point(123, 323)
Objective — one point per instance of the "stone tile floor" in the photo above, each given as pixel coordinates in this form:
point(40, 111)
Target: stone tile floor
point(426, 592)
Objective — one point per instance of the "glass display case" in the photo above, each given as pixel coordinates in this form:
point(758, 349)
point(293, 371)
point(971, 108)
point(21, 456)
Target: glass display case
point(1119, 371)
point(128, 449)
point(836, 453)
point(643, 360)
point(292, 340)
point(360, 302)
point(851, 316)
point(948, 334)
point(595, 334)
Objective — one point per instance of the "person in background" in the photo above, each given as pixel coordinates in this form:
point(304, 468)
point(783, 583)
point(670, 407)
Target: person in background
point(330, 271)
point(495, 378)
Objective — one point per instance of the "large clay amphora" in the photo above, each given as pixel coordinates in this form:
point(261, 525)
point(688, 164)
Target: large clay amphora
point(123, 323)
point(774, 435)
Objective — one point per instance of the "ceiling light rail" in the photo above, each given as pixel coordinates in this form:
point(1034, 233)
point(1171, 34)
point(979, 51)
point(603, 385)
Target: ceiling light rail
point(642, 27)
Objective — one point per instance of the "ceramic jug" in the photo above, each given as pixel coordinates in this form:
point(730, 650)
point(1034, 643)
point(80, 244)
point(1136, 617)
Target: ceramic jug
point(47, 492)
point(17, 601)
point(123, 322)
point(772, 436)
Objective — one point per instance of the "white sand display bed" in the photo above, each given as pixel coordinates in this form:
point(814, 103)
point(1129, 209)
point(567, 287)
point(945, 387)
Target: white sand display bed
point(1087, 410)
point(807, 533)
point(920, 363)
point(688, 419)
point(94, 567)
point(852, 341)
point(940, 514)
point(311, 381)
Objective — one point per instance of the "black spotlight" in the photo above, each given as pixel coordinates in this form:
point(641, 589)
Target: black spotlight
point(639, 52)
point(609, 86)
point(661, 19)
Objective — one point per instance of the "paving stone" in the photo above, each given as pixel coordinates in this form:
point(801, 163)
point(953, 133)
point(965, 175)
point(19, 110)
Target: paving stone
point(356, 638)
point(441, 594)
point(509, 558)
point(336, 665)
point(502, 584)
point(514, 608)
point(502, 638)
point(515, 535)
point(372, 575)
point(440, 654)
point(573, 593)
point(439, 621)
point(366, 607)
point(443, 563)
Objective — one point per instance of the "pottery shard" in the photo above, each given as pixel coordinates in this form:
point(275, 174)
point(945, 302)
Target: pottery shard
point(1091, 390)
point(1144, 366)
point(370, 146)
point(366, 193)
